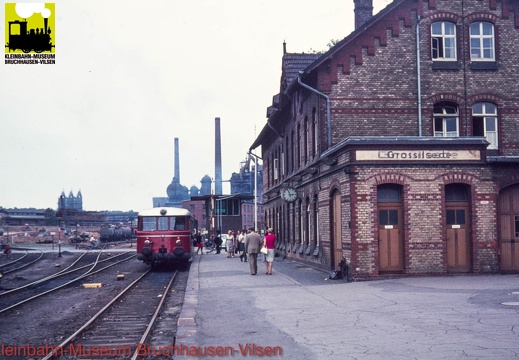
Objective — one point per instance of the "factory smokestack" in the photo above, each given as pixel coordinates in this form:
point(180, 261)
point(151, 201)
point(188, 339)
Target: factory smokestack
point(177, 162)
point(217, 158)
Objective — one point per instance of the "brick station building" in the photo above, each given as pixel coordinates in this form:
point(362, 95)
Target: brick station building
point(397, 150)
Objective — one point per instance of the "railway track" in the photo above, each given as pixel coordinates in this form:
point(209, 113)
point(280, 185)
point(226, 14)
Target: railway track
point(80, 263)
point(27, 259)
point(123, 324)
point(16, 297)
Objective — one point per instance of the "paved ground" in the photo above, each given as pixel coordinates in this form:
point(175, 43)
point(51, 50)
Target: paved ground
point(300, 313)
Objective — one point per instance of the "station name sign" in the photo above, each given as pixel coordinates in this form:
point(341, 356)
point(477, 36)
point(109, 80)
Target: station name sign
point(418, 155)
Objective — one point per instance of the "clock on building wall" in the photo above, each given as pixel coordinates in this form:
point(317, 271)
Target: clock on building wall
point(289, 194)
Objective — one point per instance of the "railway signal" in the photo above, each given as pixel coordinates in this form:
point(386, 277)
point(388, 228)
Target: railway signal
point(59, 214)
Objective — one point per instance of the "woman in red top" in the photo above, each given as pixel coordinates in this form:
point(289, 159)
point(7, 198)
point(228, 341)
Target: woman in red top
point(269, 242)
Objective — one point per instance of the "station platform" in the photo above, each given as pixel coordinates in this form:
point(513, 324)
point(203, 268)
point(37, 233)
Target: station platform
point(297, 313)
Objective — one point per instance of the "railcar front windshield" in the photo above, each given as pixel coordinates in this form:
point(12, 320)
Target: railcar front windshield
point(163, 223)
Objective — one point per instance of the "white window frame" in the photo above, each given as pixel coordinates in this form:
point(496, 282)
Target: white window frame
point(301, 222)
point(315, 137)
point(282, 167)
point(488, 114)
point(443, 41)
point(482, 46)
point(448, 114)
point(276, 170)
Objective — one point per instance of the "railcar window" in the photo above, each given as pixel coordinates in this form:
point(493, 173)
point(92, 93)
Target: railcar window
point(172, 223)
point(163, 223)
point(179, 223)
point(149, 223)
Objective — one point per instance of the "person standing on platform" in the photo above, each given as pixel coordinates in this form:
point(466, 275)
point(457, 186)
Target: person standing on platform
point(241, 246)
point(229, 244)
point(270, 243)
point(252, 248)
point(218, 242)
point(199, 244)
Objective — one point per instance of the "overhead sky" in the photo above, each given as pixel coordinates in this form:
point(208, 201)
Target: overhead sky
point(130, 76)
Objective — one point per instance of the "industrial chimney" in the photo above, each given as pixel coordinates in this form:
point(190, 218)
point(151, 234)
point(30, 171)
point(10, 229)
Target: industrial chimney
point(176, 174)
point(217, 158)
point(363, 12)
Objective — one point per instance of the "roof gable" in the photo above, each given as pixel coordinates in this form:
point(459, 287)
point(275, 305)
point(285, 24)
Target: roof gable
point(292, 64)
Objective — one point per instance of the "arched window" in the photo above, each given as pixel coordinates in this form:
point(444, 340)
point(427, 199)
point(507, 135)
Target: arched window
point(314, 132)
point(299, 152)
point(307, 236)
point(443, 38)
point(482, 41)
point(388, 193)
point(316, 224)
point(456, 193)
point(286, 162)
point(305, 140)
point(484, 122)
point(446, 120)
point(293, 153)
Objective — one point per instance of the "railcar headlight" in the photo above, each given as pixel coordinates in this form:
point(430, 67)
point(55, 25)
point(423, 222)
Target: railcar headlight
point(147, 242)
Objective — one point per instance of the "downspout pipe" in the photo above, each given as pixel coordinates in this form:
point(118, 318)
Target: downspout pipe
point(418, 75)
point(256, 157)
point(328, 116)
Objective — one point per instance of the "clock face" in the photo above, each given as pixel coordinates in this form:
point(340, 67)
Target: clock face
point(289, 194)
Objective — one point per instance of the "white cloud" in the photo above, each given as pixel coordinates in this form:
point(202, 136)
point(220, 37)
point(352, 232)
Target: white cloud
point(26, 10)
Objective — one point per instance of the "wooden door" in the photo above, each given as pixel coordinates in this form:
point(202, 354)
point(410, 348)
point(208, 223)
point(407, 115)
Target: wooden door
point(509, 228)
point(336, 250)
point(458, 237)
point(390, 238)
point(390, 228)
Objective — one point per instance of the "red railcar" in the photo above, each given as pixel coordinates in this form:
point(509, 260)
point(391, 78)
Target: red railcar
point(165, 236)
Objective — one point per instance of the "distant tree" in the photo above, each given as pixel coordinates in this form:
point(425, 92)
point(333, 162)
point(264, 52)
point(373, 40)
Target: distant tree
point(50, 217)
point(331, 44)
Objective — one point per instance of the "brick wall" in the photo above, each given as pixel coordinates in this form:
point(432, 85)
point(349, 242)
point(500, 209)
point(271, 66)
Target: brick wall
point(372, 82)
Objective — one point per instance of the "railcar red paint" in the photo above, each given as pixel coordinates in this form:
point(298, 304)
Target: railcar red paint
point(165, 236)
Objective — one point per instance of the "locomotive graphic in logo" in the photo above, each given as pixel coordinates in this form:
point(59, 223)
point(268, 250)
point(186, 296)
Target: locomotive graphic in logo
point(29, 28)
